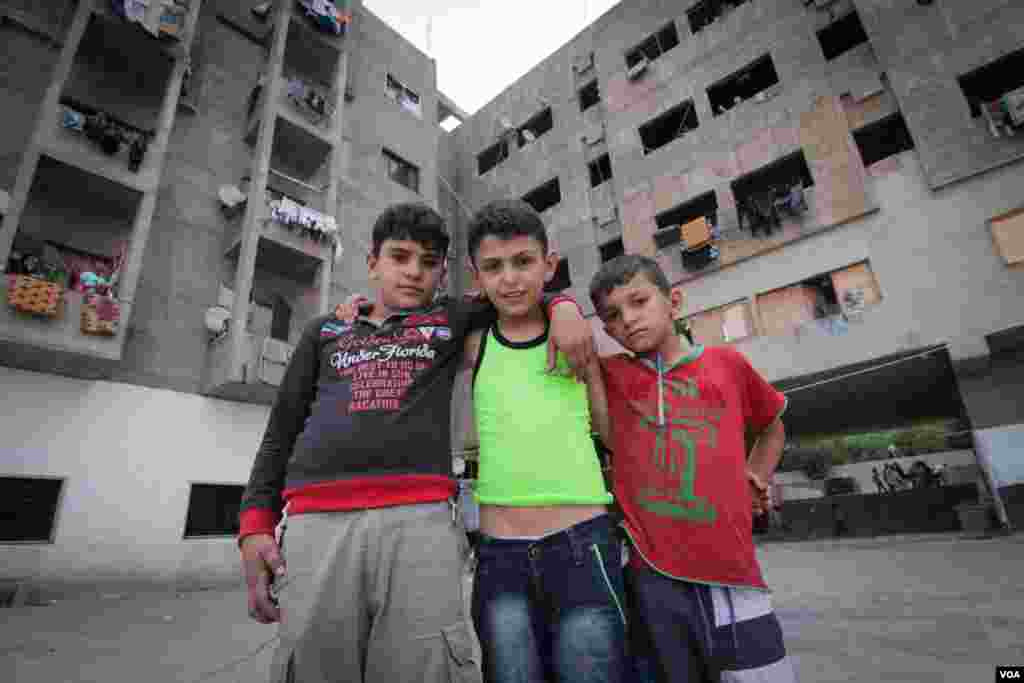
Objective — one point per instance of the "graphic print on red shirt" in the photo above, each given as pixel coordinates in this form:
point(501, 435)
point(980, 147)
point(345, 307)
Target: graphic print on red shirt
point(681, 483)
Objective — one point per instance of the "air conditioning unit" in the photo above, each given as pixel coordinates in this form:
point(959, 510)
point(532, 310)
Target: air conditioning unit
point(637, 70)
point(274, 357)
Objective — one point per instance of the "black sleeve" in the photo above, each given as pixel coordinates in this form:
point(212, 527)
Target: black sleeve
point(479, 314)
point(287, 417)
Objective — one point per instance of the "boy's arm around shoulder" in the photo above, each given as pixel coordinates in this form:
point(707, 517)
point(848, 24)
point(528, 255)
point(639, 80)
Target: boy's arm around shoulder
point(597, 396)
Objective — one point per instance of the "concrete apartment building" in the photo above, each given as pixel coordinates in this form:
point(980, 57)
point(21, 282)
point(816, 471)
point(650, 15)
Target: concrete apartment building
point(889, 288)
point(124, 453)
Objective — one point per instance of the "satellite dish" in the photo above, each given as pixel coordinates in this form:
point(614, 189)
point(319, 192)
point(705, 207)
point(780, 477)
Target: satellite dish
point(217, 318)
point(505, 123)
point(528, 135)
point(230, 196)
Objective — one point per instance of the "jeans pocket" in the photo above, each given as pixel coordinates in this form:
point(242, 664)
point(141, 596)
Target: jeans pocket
point(606, 560)
point(463, 660)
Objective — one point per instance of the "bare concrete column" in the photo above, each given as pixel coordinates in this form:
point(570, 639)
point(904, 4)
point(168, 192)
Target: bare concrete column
point(155, 155)
point(254, 208)
point(30, 159)
point(336, 173)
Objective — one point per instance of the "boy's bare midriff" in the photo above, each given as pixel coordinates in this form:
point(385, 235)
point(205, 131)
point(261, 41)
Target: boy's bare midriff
point(507, 521)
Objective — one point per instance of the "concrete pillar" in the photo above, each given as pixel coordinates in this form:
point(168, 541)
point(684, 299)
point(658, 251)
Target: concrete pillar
point(255, 206)
point(336, 174)
point(155, 154)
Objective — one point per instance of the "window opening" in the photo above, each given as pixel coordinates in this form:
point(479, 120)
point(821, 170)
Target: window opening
point(561, 279)
point(28, 508)
point(610, 250)
point(705, 13)
point(654, 46)
point(281, 322)
point(600, 170)
point(213, 510)
point(401, 171)
point(842, 35)
point(538, 125)
point(883, 139)
point(589, 95)
point(762, 196)
point(406, 98)
point(492, 156)
point(997, 86)
point(743, 85)
point(665, 128)
point(724, 324)
point(545, 196)
point(668, 233)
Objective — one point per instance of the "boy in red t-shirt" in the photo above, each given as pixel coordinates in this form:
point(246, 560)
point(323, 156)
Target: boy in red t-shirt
point(676, 420)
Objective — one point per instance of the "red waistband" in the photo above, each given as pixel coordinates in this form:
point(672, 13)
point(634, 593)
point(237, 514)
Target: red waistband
point(360, 493)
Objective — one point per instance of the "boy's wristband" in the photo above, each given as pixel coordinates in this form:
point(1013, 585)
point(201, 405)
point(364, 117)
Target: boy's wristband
point(562, 298)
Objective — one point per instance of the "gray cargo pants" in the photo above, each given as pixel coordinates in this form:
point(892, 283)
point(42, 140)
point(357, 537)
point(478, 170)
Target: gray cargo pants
point(376, 596)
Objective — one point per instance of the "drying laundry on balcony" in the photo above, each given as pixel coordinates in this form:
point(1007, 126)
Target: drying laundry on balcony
point(791, 199)
point(326, 15)
point(306, 222)
point(760, 211)
point(1005, 116)
point(108, 132)
point(314, 102)
point(156, 17)
point(698, 259)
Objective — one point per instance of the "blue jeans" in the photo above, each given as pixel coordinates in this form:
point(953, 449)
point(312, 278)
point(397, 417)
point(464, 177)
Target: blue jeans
point(551, 610)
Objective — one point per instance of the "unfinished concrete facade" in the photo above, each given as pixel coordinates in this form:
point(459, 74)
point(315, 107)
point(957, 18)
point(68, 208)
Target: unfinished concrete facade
point(245, 119)
point(873, 106)
point(656, 115)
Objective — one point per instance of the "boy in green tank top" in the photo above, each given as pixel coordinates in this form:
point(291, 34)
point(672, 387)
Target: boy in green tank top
point(548, 600)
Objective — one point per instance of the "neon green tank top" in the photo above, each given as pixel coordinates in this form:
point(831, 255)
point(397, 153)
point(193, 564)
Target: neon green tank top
point(534, 429)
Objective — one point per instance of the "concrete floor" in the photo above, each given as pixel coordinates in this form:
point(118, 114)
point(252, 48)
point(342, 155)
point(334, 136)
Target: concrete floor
point(914, 609)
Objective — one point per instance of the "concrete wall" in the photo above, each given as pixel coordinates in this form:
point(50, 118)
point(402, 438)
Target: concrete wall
point(940, 277)
point(128, 455)
point(184, 266)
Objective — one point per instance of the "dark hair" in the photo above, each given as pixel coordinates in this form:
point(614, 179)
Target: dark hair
point(411, 221)
point(505, 219)
point(621, 270)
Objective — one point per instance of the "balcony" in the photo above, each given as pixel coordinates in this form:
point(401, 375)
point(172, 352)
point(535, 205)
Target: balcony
point(312, 30)
point(298, 151)
point(250, 372)
point(253, 376)
point(115, 30)
point(69, 144)
point(283, 249)
point(64, 235)
point(303, 104)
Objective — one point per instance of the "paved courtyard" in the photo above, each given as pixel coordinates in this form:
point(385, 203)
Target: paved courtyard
point(914, 609)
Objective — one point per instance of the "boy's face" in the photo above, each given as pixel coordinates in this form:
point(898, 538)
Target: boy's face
point(406, 273)
point(639, 316)
point(512, 272)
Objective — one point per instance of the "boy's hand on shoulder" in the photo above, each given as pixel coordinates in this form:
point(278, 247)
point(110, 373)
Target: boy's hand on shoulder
point(348, 310)
point(572, 335)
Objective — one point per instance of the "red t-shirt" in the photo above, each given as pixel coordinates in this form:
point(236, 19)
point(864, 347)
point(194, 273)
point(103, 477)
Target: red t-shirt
point(683, 486)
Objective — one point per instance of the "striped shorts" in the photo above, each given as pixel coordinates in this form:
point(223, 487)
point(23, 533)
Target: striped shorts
point(693, 633)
